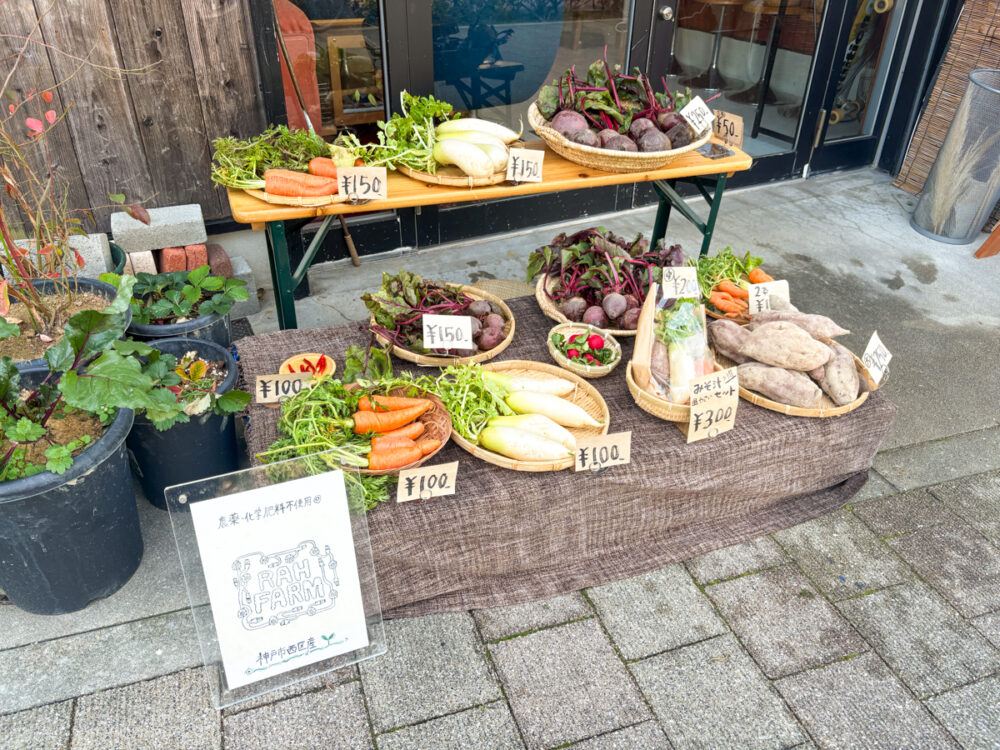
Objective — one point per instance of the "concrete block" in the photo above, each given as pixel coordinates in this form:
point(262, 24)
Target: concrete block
point(95, 251)
point(197, 256)
point(517, 619)
point(971, 714)
point(242, 271)
point(129, 268)
point(47, 726)
point(736, 560)
point(170, 226)
point(489, 726)
point(219, 261)
point(142, 262)
point(173, 259)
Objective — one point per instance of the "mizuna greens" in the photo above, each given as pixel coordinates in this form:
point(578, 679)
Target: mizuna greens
point(241, 164)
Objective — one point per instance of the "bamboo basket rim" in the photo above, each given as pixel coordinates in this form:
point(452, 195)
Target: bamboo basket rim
point(424, 360)
point(602, 158)
point(579, 368)
point(583, 387)
point(437, 420)
point(658, 407)
point(453, 177)
point(302, 201)
point(549, 309)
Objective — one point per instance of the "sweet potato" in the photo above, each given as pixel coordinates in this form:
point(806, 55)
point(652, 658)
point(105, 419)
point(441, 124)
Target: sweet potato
point(777, 383)
point(817, 326)
point(784, 344)
point(727, 337)
point(840, 379)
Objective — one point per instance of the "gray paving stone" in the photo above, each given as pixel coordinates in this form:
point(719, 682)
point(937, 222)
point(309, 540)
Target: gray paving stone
point(86, 662)
point(971, 714)
point(645, 736)
point(327, 720)
point(655, 611)
point(923, 640)
point(489, 727)
point(169, 226)
point(173, 711)
point(337, 677)
point(566, 684)
point(785, 624)
point(876, 487)
point(842, 556)
point(736, 560)
point(858, 703)
point(711, 694)
point(928, 463)
point(434, 666)
point(962, 565)
point(500, 622)
point(989, 625)
point(977, 501)
point(43, 727)
point(95, 251)
point(904, 513)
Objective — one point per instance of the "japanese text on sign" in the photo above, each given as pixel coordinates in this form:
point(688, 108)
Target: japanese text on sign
point(714, 399)
point(601, 451)
point(680, 281)
point(728, 128)
point(761, 294)
point(876, 358)
point(425, 482)
point(698, 115)
point(363, 183)
point(271, 510)
point(447, 331)
point(270, 389)
point(525, 165)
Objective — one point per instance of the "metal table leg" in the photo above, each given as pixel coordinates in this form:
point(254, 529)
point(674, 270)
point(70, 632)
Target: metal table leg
point(713, 212)
point(281, 274)
point(670, 198)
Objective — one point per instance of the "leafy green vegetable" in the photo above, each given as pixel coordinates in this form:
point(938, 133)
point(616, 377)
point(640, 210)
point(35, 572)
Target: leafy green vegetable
point(180, 295)
point(24, 431)
point(241, 164)
point(721, 266)
point(372, 363)
point(679, 322)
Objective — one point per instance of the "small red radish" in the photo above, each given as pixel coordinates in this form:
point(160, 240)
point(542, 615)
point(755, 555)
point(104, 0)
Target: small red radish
point(573, 353)
point(595, 342)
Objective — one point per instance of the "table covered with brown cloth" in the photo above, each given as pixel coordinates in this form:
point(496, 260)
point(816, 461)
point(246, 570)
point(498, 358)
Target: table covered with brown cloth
point(507, 537)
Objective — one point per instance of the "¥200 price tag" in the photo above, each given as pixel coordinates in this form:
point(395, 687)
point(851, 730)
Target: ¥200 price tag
point(680, 281)
point(761, 294)
point(601, 451)
point(728, 128)
point(876, 358)
point(714, 399)
point(698, 115)
point(270, 389)
point(525, 165)
point(447, 331)
point(363, 183)
point(425, 482)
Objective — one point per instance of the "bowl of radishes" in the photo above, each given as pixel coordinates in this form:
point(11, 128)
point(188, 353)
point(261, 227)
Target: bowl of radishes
point(586, 350)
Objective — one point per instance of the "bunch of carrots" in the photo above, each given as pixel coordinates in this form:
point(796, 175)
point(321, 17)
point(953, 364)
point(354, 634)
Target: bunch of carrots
point(396, 433)
point(321, 180)
point(732, 299)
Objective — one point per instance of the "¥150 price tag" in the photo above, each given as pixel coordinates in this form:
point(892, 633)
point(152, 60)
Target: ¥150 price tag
point(447, 331)
point(270, 389)
point(698, 115)
point(601, 451)
point(876, 358)
point(680, 281)
point(425, 482)
point(525, 165)
point(714, 399)
point(761, 294)
point(728, 128)
point(363, 183)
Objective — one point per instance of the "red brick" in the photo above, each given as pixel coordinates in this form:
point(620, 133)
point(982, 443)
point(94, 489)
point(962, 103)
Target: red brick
point(218, 259)
point(173, 259)
point(197, 256)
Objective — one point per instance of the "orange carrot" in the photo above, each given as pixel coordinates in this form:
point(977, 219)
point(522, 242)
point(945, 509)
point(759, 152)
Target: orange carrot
point(384, 442)
point(394, 458)
point(389, 403)
point(734, 290)
point(297, 184)
point(412, 431)
point(323, 167)
point(724, 302)
point(383, 421)
point(758, 276)
point(428, 446)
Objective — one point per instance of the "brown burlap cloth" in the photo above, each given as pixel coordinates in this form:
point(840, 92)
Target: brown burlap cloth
point(507, 537)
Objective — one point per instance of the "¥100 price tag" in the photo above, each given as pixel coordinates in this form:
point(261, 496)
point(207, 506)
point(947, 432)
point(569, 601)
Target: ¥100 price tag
point(761, 294)
point(601, 451)
point(876, 358)
point(698, 115)
point(270, 389)
point(525, 165)
point(447, 331)
point(714, 399)
point(728, 128)
point(363, 183)
point(425, 482)
point(680, 281)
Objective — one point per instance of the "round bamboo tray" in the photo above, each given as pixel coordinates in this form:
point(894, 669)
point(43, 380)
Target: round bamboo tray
point(453, 177)
point(286, 200)
point(585, 396)
point(430, 360)
point(602, 158)
point(579, 368)
point(658, 407)
point(550, 310)
point(437, 426)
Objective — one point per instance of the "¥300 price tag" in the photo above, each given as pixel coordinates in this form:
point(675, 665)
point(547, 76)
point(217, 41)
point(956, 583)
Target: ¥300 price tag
point(876, 358)
point(602, 451)
point(698, 115)
point(270, 389)
point(525, 165)
point(761, 294)
point(447, 331)
point(680, 281)
point(363, 183)
point(714, 399)
point(728, 128)
point(425, 482)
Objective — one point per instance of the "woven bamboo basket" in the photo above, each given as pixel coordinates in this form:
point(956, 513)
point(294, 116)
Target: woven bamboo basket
point(658, 407)
point(550, 310)
point(437, 426)
point(605, 159)
point(306, 202)
point(453, 177)
point(585, 396)
point(426, 360)
point(579, 368)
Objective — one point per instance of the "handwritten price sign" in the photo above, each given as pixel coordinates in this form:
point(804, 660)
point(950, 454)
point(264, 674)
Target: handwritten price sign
point(728, 128)
point(698, 115)
point(602, 451)
point(761, 294)
point(425, 482)
point(270, 389)
point(714, 399)
point(525, 165)
point(447, 331)
point(363, 183)
point(680, 281)
point(876, 358)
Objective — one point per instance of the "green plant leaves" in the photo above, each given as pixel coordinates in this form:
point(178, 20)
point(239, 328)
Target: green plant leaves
point(8, 329)
point(23, 430)
point(60, 459)
point(231, 402)
point(198, 275)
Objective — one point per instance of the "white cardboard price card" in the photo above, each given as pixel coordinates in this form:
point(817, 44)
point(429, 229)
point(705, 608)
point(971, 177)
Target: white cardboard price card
point(282, 576)
point(728, 128)
point(447, 331)
point(425, 482)
point(680, 281)
point(363, 183)
point(525, 165)
point(698, 115)
point(876, 358)
point(601, 451)
point(270, 389)
point(760, 295)
point(714, 399)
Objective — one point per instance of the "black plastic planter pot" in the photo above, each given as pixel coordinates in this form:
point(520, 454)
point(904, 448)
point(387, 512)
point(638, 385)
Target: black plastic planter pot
point(204, 447)
point(206, 328)
point(67, 540)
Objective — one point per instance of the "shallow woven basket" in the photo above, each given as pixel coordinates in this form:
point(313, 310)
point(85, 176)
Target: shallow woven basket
point(425, 360)
point(550, 310)
point(437, 426)
point(585, 396)
point(602, 158)
point(658, 407)
point(453, 177)
point(579, 368)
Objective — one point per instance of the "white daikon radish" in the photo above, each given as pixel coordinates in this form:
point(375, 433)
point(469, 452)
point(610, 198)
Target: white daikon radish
point(540, 425)
point(521, 445)
point(466, 156)
point(557, 409)
point(473, 123)
point(498, 154)
point(512, 383)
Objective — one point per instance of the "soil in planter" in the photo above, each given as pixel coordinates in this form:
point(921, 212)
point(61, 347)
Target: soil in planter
point(192, 390)
point(65, 426)
point(28, 345)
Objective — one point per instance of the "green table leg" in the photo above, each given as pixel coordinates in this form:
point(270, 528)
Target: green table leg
point(713, 212)
point(662, 214)
point(670, 199)
point(281, 274)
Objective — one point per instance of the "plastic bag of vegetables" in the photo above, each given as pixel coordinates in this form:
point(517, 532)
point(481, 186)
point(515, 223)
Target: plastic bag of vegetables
point(679, 350)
